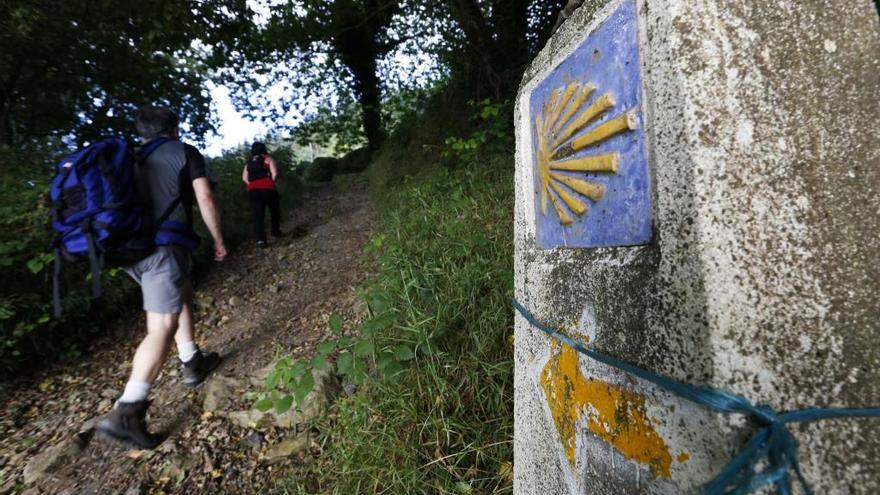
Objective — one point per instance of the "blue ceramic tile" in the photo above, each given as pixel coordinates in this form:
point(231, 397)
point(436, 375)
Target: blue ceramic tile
point(607, 61)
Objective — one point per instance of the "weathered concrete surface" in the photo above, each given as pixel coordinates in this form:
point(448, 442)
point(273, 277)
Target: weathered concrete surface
point(763, 276)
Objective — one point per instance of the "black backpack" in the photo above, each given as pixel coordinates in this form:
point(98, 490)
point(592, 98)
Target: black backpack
point(257, 168)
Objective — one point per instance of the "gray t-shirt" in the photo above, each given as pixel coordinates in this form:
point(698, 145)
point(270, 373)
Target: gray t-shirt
point(168, 173)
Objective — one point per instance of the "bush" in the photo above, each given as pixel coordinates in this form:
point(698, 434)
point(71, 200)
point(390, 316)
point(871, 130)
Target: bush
point(299, 168)
point(321, 169)
point(354, 162)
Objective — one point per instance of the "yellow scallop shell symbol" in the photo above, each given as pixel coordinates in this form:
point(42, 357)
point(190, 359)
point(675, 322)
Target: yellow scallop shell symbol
point(564, 115)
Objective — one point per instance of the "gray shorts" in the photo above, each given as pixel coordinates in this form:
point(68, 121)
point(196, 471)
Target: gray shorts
point(163, 277)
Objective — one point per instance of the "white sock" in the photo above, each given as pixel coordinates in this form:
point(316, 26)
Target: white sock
point(187, 351)
point(135, 391)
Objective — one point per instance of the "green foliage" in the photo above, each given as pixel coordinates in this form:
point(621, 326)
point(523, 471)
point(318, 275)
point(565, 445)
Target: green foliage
point(338, 130)
point(355, 353)
point(343, 60)
point(491, 137)
point(80, 68)
point(402, 109)
point(288, 384)
point(440, 325)
point(335, 44)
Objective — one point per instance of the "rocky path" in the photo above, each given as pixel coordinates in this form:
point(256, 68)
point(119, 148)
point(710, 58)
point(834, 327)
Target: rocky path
point(253, 308)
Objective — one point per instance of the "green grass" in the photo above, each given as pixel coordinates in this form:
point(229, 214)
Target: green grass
point(445, 425)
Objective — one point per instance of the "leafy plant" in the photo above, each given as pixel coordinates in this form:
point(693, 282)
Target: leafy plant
point(64, 85)
point(491, 132)
point(353, 356)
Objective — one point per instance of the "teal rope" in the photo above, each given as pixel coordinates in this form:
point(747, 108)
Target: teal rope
point(773, 441)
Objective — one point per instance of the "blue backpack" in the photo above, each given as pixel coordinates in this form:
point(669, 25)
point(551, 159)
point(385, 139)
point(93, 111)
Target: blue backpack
point(98, 213)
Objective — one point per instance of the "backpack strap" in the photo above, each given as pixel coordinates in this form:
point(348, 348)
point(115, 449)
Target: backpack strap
point(56, 208)
point(60, 203)
point(146, 150)
point(180, 235)
point(142, 156)
point(94, 260)
point(56, 283)
point(167, 213)
point(95, 263)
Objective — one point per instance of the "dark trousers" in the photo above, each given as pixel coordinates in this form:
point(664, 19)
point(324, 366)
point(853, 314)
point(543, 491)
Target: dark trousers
point(260, 198)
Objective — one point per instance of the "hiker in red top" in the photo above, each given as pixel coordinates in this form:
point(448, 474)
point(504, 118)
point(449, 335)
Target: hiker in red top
point(259, 174)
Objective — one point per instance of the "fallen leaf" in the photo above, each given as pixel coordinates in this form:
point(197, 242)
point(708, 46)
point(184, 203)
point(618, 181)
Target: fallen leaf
point(505, 471)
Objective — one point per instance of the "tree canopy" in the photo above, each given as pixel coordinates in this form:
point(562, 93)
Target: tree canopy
point(76, 68)
point(352, 45)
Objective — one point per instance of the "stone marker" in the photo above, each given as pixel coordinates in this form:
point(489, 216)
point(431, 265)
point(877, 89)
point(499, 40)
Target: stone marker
point(698, 194)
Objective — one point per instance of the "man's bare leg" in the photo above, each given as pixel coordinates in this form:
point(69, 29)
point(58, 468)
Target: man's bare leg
point(127, 421)
point(196, 365)
point(151, 352)
point(185, 336)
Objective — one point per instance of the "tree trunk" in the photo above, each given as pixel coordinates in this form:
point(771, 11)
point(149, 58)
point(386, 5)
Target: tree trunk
point(478, 34)
point(7, 90)
point(6, 136)
point(358, 55)
point(367, 88)
point(510, 21)
point(357, 44)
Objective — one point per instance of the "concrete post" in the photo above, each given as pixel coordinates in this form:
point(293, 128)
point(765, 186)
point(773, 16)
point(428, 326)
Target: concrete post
point(698, 193)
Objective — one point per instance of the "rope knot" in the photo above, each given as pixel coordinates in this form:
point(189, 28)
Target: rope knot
point(764, 415)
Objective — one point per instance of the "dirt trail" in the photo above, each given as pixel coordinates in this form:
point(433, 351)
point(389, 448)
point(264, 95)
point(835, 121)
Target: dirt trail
point(253, 307)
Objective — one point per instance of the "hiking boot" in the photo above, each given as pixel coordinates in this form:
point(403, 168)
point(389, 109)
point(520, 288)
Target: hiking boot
point(197, 369)
point(127, 422)
point(261, 244)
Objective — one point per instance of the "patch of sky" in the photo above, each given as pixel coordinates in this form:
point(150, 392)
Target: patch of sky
point(276, 105)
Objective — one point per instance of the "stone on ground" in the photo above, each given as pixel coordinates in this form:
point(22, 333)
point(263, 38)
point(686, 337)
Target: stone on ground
point(51, 460)
point(287, 448)
point(218, 392)
point(221, 390)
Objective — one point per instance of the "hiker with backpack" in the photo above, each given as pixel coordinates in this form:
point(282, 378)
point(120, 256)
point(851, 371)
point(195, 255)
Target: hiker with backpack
point(110, 207)
point(259, 175)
